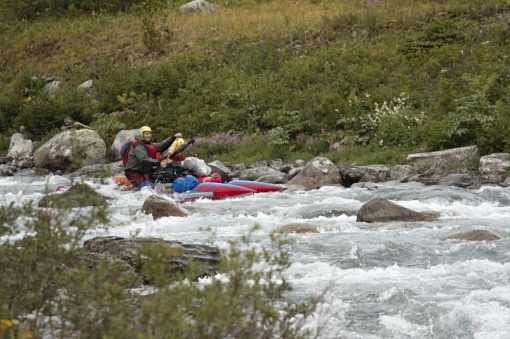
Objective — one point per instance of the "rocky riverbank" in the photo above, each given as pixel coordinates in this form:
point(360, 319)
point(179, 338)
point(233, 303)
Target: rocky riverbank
point(448, 167)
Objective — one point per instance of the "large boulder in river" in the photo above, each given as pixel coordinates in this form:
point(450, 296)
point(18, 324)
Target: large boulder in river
point(177, 254)
point(382, 210)
point(70, 150)
point(316, 173)
point(160, 208)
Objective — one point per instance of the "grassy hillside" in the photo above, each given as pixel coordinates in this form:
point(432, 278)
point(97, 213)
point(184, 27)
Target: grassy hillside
point(274, 78)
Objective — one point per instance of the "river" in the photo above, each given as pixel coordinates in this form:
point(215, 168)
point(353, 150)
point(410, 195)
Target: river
point(382, 280)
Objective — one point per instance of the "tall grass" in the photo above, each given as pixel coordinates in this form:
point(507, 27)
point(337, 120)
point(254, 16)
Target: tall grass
point(59, 43)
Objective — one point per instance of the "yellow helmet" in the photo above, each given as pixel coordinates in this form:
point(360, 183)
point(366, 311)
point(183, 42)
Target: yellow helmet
point(144, 129)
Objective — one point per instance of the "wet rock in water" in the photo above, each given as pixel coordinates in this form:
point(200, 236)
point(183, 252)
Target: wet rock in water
point(160, 208)
point(298, 228)
point(177, 254)
point(476, 235)
point(382, 210)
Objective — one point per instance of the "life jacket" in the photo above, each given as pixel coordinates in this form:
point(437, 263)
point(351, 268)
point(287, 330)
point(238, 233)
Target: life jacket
point(153, 152)
point(126, 146)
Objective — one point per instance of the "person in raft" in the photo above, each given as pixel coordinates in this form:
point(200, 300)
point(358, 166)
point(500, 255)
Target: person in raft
point(142, 157)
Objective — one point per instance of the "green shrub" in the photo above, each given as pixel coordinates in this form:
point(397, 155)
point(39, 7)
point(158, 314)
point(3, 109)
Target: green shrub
point(44, 112)
point(4, 144)
point(48, 286)
point(156, 32)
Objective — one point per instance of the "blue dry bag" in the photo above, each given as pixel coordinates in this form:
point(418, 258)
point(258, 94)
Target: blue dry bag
point(179, 185)
point(191, 182)
point(184, 184)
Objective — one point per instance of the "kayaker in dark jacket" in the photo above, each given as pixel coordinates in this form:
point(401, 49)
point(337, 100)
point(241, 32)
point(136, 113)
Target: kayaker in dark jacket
point(142, 157)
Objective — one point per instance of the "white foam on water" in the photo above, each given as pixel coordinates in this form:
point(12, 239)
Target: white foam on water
point(401, 328)
point(436, 293)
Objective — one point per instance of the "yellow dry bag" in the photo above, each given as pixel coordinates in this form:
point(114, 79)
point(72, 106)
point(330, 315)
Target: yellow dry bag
point(178, 142)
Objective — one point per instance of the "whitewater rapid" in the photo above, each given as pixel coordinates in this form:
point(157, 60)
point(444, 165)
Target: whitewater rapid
point(382, 280)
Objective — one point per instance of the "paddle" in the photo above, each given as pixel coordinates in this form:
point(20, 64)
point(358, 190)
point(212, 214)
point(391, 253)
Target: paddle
point(160, 170)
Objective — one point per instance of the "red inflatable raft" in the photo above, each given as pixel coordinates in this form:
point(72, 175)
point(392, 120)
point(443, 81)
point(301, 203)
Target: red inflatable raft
point(259, 187)
point(215, 190)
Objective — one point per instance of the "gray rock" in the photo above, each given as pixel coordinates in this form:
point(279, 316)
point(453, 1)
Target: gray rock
point(276, 178)
point(293, 172)
point(448, 159)
point(160, 208)
point(286, 168)
point(19, 147)
point(70, 150)
point(316, 173)
point(6, 170)
point(494, 166)
point(117, 271)
point(382, 210)
point(52, 85)
point(299, 163)
point(120, 138)
point(298, 228)
point(85, 85)
point(182, 254)
point(401, 172)
point(239, 167)
point(476, 235)
point(221, 166)
point(373, 173)
point(257, 172)
point(197, 6)
point(272, 163)
point(463, 180)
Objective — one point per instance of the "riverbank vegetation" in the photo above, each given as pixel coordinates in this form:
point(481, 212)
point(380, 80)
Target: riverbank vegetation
point(286, 78)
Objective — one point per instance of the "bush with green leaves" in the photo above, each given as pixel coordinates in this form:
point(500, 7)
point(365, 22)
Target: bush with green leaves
point(156, 32)
point(47, 290)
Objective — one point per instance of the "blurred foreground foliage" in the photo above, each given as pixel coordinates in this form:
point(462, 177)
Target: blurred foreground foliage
point(47, 292)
